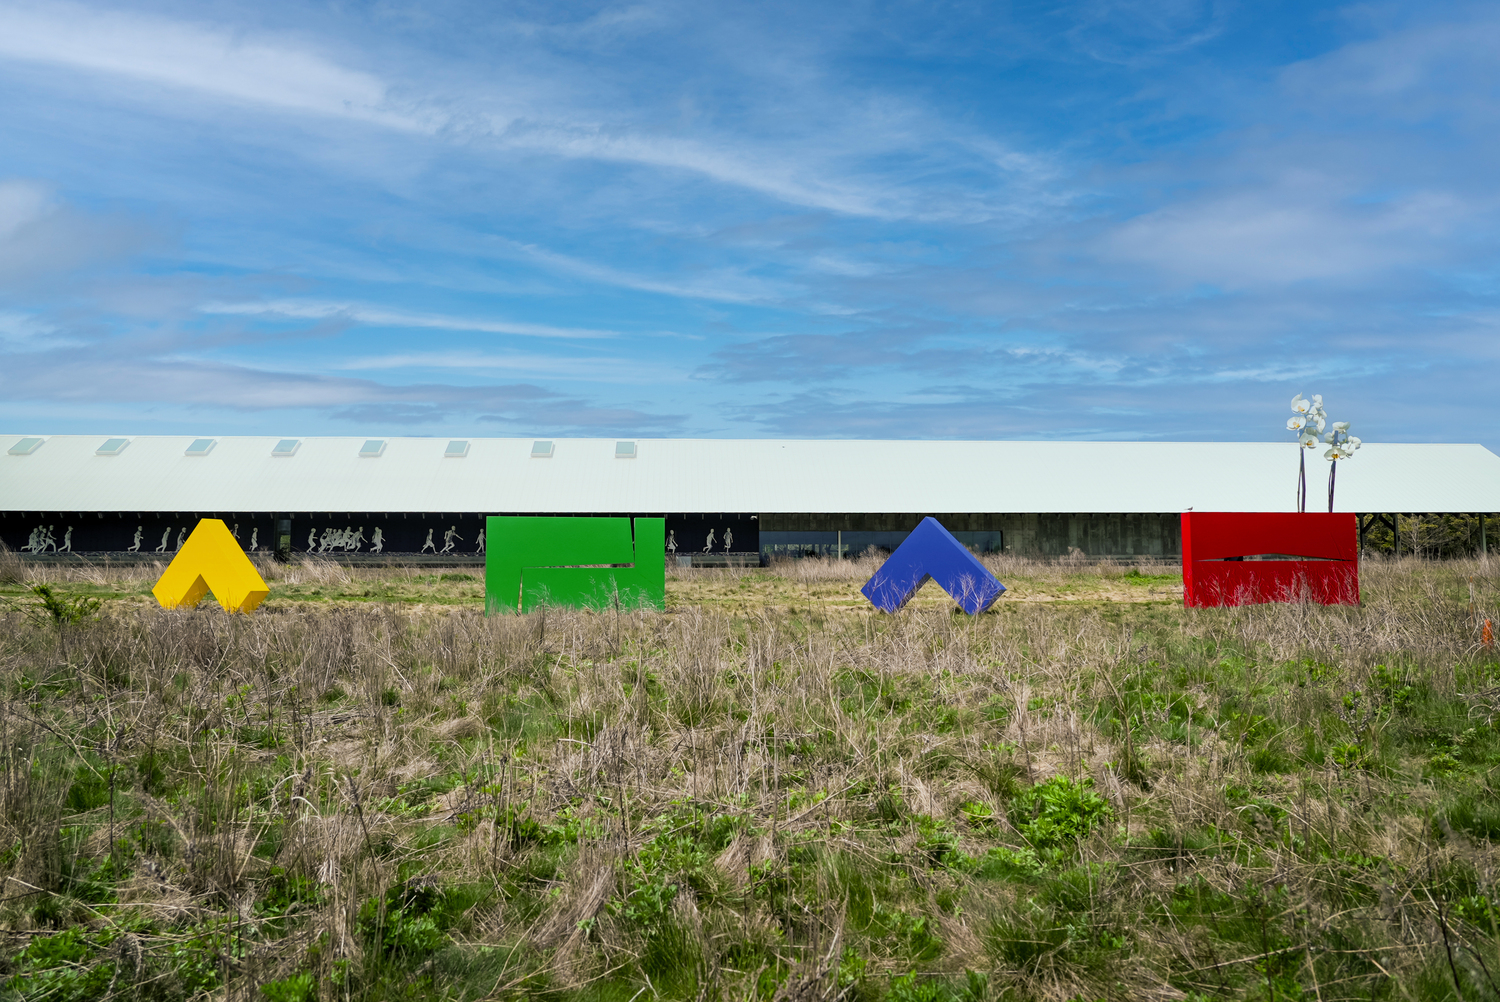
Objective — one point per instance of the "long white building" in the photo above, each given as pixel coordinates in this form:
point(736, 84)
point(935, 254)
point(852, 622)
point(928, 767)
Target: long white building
point(105, 493)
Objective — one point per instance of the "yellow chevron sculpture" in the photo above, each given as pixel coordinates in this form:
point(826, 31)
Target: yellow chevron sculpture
point(211, 560)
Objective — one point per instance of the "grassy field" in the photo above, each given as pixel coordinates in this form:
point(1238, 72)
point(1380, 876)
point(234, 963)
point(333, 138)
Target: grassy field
point(368, 790)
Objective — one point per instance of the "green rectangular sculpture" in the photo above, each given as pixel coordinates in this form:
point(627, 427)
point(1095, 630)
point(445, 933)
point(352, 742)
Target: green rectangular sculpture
point(583, 563)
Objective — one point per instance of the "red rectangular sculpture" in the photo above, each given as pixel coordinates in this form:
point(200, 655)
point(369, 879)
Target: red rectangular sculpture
point(1241, 558)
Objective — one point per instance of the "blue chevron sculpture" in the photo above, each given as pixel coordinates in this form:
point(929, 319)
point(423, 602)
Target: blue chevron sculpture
point(931, 552)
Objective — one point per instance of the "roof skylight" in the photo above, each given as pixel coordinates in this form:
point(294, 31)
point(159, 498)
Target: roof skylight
point(201, 447)
point(372, 448)
point(112, 447)
point(624, 450)
point(541, 449)
point(26, 446)
point(457, 449)
point(286, 447)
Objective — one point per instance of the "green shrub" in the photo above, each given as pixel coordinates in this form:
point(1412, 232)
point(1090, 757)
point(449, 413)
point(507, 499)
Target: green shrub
point(405, 928)
point(297, 988)
point(1003, 862)
point(911, 988)
point(1059, 811)
point(61, 968)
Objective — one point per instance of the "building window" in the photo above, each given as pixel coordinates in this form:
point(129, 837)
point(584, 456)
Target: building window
point(372, 448)
point(457, 449)
point(286, 447)
point(112, 447)
point(624, 450)
point(541, 449)
point(201, 447)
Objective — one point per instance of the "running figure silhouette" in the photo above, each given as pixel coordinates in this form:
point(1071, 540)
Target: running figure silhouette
point(709, 546)
point(429, 545)
point(449, 537)
point(135, 546)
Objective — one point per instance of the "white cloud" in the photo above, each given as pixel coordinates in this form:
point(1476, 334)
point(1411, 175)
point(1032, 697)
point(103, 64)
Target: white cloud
point(21, 203)
point(27, 332)
point(1285, 233)
point(723, 286)
point(1428, 65)
point(512, 364)
point(260, 71)
point(42, 240)
point(770, 172)
point(307, 309)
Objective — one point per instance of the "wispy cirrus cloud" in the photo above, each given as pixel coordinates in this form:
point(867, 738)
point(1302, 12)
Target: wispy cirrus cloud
point(228, 64)
point(799, 163)
point(131, 379)
point(1301, 229)
point(377, 316)
point(613, 369)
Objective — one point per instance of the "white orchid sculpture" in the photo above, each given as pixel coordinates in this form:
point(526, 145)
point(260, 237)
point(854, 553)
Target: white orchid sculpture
point(1308, 420)
point(1342, 446)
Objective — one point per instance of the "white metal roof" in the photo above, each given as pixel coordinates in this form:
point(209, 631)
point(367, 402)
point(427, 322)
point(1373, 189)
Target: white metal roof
point(152, 473)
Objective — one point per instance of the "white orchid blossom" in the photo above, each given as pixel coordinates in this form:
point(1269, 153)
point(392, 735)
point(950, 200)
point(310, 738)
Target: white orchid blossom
point(1341, 441)
point(1310, 422)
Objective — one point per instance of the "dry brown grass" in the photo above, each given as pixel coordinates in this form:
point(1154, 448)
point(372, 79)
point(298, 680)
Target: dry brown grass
point(814, 800)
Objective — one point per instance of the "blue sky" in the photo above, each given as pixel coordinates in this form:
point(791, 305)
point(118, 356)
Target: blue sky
point(1098, 220)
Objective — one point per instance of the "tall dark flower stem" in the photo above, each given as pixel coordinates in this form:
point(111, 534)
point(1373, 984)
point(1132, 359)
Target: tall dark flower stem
point(1301, 479)
point(1344, 446)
